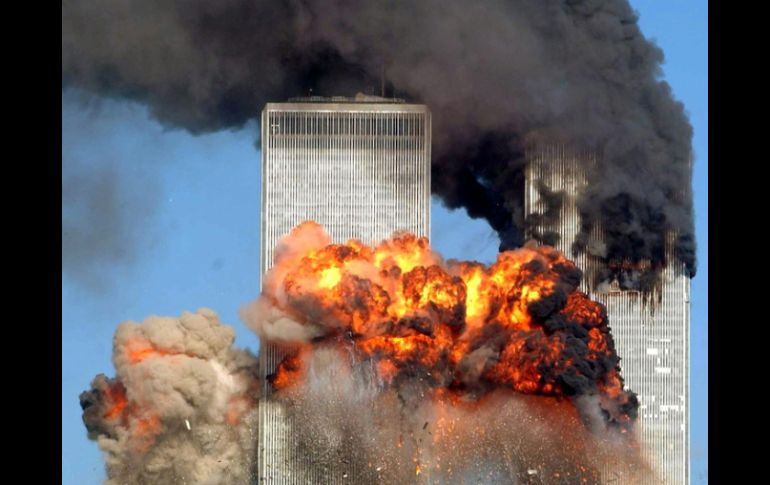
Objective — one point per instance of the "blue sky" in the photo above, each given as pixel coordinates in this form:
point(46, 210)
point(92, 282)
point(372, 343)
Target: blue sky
point(191, 206)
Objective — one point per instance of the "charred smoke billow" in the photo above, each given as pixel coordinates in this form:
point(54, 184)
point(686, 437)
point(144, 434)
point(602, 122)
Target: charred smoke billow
point(182, 407)
point(578, 71)
point(398, 364)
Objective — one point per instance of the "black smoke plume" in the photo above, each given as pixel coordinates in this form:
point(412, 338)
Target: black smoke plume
point(493, 72)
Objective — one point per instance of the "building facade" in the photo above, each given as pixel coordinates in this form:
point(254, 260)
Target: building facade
point(361, 168)
point(651, 334)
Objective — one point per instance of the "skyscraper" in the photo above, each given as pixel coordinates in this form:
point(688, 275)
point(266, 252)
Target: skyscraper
point(361, 168)
point(651, 332)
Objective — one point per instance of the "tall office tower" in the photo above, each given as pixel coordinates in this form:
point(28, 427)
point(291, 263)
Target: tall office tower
point(361, 168)
point(651, 332)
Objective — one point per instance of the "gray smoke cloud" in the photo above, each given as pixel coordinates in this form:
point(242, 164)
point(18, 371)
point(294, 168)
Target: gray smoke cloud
point(100, 219)
point(106, 202)
point(182, 407)
point(496, 75)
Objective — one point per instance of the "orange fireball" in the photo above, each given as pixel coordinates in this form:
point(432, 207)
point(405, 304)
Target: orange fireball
point(519, 323)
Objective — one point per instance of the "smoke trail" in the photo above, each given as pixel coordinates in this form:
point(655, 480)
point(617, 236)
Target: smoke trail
point(496, 75)
point(182, 407)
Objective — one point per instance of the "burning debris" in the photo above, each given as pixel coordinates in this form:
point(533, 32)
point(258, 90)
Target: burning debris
point(382, 341)
point(182, 408)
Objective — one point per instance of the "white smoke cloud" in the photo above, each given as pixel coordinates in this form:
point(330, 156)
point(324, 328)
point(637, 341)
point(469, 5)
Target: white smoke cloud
point(273, 325)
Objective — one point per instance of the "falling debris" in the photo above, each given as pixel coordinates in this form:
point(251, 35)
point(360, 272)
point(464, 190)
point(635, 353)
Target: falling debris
point(187, 423)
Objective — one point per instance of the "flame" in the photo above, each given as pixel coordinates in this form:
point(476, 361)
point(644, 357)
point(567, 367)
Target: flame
point(329, 278)
point(290, 370)
point(146, 429)
point(138, 350)
point(149, 425)
point(237, 406)
point(401, 307)
point(121, 411)
point(116, 400)
point(126, 412)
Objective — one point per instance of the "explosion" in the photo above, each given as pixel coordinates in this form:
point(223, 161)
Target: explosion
point(399, 368)
point(394, 356)
point(182, 408)
point(518, 324)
